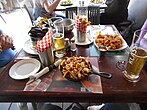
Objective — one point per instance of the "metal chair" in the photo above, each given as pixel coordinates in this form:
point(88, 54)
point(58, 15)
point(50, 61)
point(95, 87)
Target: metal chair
point(29, 8)
point(93, 14)
point(69, 12)
point(2, 18)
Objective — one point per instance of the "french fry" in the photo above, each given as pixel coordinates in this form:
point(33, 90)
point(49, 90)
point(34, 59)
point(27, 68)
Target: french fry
point(34, 47)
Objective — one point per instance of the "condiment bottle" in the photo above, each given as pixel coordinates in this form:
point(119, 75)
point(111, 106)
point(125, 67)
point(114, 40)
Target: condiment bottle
point(73, 45)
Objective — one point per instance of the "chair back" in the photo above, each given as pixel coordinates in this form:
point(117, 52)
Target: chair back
point(29, 8)
point(69, 12)
point(94, 15)
point(2, 18)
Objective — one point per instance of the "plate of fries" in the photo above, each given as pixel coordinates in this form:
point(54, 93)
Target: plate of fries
point(113, 42)
point(79, 68)
point(75, 68)
point(66, 3)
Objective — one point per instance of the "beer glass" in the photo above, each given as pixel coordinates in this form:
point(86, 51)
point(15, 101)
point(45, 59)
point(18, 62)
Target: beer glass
point(137, 56)
point(58, 38)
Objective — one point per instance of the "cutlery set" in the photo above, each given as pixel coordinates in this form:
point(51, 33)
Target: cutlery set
point(43, 72)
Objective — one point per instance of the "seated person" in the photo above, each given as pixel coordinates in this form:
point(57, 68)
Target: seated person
point(6, 53)
point(137, 12)
point(6, 5)
point(115, 13)
point(45, 8)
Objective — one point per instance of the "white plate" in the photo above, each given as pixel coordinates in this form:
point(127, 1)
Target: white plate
point(95, 4)
point(28, 47)
point(24, 68)
point(88, 41)
point(124, 45)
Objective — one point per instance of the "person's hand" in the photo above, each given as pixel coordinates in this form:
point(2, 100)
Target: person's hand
point(5, 42)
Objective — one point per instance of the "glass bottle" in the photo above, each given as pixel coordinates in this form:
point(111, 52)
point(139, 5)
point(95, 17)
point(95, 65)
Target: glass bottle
point(82, 10)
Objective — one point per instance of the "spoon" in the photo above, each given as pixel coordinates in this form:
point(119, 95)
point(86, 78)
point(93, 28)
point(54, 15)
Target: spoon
point(103, 48)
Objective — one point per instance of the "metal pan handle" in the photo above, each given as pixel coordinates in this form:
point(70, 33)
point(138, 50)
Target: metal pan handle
point(102, 74)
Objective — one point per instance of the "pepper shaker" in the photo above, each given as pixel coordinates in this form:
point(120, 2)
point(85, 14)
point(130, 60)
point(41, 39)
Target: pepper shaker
point(73, 45)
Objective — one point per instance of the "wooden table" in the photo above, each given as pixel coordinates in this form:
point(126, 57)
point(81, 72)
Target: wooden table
point(116, 89)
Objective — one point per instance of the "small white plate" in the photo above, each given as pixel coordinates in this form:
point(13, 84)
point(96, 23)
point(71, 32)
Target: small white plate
point(24, 68)
point(28, 47)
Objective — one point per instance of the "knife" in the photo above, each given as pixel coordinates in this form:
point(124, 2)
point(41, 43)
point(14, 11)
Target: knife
point(43, 71)
point(37, 75)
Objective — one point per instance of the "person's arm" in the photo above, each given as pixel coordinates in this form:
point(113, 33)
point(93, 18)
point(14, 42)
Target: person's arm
point(144, 27)
point(5, 41)
point(0, 47)
point(0, 40)
point(51, 7)
point(1, 31)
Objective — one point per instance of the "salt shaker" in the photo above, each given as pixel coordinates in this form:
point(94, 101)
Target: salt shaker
point(73, 45)
point(67, 43)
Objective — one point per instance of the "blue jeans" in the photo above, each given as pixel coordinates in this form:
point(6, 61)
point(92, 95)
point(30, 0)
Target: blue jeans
point(6, 56)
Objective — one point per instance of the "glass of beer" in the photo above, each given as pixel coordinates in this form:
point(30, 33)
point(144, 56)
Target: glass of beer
point(137, 56)
point(58, 39)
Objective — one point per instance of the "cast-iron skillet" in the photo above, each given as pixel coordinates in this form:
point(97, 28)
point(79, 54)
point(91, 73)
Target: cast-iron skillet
point(93, 70)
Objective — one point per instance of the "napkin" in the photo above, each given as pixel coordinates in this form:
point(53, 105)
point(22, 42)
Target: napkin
point(45, 43)
point(81, 23)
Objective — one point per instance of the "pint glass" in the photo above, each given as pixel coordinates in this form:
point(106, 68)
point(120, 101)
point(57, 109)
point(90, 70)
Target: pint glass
point(58, 39)
point(137, 56)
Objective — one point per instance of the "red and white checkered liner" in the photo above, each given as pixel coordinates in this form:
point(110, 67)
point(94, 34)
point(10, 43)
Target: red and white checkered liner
point(45, 43)
point(79, 25)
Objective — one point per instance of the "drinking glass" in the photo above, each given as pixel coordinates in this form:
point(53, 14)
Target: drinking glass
point(137, 56)
point(52, 20)
point(58, 39)
point(102, 51)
